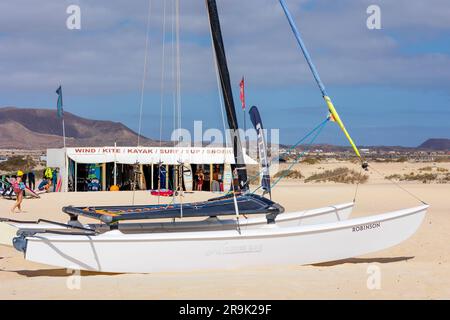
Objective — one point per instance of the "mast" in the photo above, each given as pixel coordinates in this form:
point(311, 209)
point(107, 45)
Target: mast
point(227, 92)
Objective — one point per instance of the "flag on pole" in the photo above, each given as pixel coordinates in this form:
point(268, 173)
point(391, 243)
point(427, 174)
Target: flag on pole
point(59, 106)
point(242, 85)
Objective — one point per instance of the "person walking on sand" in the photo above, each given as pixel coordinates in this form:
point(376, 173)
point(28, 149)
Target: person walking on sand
point(19, 189)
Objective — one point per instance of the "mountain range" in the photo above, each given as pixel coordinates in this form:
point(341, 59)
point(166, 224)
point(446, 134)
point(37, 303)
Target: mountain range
point(22, 128)
point(436, 144)
point(28, 128)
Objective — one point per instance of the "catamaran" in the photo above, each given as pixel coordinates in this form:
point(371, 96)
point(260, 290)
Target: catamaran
point(276, 238)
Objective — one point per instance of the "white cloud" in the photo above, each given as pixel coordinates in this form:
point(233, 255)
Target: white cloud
point(37, 51)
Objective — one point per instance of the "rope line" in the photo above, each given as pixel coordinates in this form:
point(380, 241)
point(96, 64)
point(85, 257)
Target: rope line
point(174, 76)
point(141, 106)
point(144, 77)
point(357, 186)
point(319, 130)
point(163, 70)
point(399, 186)
point(306, 136)
point(253, 178)
point(178, 68)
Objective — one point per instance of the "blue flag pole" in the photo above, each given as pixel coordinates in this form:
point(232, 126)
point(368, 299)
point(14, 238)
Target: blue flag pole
point(60, 114)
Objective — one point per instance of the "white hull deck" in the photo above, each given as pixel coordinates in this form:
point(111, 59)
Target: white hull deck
point(118, 251)
point(338, 212)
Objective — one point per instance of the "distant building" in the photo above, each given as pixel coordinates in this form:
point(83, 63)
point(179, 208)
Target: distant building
point(80, 165)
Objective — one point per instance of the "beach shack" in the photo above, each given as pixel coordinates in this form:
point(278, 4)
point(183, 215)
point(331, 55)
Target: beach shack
point(143, 168)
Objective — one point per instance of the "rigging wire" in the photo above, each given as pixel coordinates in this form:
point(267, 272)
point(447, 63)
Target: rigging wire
point(303, 139)
point(163, 69)
point(144, 78)
point(179, 171)
point(357, 185)
point(178, 57)
point(174, 84)
point(399, 186)
point(161, 111)
point(319, 130)
point(174, 77)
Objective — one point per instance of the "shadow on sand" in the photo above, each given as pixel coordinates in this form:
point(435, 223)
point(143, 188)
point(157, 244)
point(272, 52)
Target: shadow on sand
point(57, 273)
point(66, 273)
point(363, 260)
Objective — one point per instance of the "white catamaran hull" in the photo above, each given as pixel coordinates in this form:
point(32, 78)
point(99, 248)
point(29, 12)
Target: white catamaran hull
point(338, 212)
point(116, 251)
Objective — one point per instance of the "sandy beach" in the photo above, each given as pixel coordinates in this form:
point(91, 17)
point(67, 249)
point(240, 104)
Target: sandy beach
point(419, 268)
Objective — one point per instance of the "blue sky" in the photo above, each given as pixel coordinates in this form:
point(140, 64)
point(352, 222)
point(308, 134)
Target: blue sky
point(391, 86)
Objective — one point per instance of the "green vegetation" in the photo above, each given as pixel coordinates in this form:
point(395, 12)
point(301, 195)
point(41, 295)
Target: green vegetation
point(438, 169)
point(394, 177)
point(402, 159)
point(252, 169)
point(339, 175)
point(15, 163)
point(445, 178)
point(443, 159)
point(311, 160)
point(423, 177)
point(253, 173)
point(289, 174)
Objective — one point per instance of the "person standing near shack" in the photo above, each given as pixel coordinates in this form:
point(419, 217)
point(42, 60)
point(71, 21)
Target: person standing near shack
point(24, 178)
point(235, 185)
point(54, 179)
point(201, 178)
point(215, 182)
point(31, 180)
point(48, 175)
point(19, 190)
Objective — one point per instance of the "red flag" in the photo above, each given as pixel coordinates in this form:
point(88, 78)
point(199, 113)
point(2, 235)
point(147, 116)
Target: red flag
point(242, 85)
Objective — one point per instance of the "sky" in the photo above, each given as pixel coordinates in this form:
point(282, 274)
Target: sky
point(391, 86)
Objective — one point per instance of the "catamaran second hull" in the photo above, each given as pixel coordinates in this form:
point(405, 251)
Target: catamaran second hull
point(117, 251)
point(339, 212)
